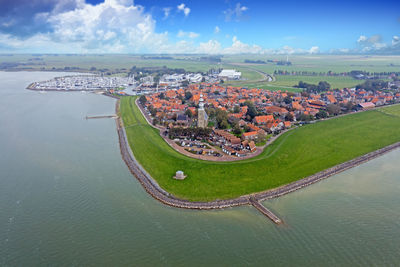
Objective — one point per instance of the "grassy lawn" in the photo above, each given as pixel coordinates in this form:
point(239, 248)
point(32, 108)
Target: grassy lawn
point(335, 82)
point(296, 154)
point(392, 110)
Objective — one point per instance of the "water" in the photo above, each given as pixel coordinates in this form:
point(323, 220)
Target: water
point(67, 198)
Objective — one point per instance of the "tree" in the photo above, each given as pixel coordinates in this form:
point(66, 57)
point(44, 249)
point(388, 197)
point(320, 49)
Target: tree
point(304, 117)
point(321, 114)
point(260, 136)
point(203, 79)
point(333, 109)
point(236, 109)
point(251, 109)
point(323, 86)
point(142, 99)
point(188, 95)
point(287, 100)
point(222, 119)
point(289, 117)
point(313, 88)
point(189, 113)
point(236, 129)
point(153, 111)
point(161, 96)
point(349, 106)
point(372, 85)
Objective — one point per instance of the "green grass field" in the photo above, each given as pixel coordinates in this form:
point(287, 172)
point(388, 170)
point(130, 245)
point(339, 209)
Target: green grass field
point(317, 63)
point(392, 110)
point(335, 82)
point(294, 155)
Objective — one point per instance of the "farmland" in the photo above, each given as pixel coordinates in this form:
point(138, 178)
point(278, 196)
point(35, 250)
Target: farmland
point(294, 155)
point(193, 63)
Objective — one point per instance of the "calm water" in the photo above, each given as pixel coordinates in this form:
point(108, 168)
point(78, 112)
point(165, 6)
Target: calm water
point(67, 198)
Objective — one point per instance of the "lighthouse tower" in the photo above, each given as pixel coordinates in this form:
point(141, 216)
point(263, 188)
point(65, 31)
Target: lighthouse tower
point(202, 118)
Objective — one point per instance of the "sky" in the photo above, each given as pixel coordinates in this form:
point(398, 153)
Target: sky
point(206, 26)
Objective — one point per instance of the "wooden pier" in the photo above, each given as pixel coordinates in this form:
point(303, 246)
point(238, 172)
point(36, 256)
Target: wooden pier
point(102, 117)
point(265, 211)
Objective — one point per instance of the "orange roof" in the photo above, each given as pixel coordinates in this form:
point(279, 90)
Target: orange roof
point(264, 118)
point(250, 134)
point(331, 98)
point(297, 106)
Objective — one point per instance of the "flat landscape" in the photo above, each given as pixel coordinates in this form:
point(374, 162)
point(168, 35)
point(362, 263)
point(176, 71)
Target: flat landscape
point(120, 63)
point(294, 155)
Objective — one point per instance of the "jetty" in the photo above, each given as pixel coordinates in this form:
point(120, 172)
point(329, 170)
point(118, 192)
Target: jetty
point(261, 208)
point(102, 117)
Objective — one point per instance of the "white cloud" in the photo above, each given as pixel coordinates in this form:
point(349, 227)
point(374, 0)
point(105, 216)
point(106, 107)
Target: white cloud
point(395, 40)
point(167, 11)
point(182, 7)
point(238, 47)
point(371, 43)
point(113, 23)
point(235, 13)
point(362, 38)
point(217, 29)
point(182, 34)
point(210, 47)
point(314, 50)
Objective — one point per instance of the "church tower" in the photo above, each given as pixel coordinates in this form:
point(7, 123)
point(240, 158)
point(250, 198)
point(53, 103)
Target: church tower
point(202, 118)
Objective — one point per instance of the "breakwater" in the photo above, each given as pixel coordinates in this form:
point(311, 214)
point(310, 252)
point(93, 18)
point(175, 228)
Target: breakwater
point(101, 117)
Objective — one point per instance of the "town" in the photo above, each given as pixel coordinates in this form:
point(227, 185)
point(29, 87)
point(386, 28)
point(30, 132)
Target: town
point(212, 121)
point(200, 117)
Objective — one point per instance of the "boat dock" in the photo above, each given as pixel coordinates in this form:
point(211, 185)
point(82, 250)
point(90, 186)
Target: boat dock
point(102, 117)
point(265, 211)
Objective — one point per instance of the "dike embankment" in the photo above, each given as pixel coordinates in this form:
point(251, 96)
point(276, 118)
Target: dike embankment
point(152, 187)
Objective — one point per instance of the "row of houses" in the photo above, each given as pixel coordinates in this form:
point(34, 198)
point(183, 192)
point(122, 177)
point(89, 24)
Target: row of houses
point(276, 110)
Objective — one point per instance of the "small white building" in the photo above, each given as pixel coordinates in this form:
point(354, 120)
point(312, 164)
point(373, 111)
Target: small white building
point(194, 77)
point(230, 75)
point(179, 175)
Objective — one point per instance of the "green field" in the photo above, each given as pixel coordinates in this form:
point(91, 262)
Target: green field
point(315, 63)
point(294, 155)
point(393, 110)
point(335, 82)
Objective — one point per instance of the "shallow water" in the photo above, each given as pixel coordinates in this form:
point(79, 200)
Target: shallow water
point(67, 198)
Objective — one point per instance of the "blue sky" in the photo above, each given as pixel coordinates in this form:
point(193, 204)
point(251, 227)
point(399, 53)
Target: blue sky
point(218, 26)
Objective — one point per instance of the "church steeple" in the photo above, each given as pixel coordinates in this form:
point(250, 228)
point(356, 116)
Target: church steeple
point(201, 103)
point(202, 118)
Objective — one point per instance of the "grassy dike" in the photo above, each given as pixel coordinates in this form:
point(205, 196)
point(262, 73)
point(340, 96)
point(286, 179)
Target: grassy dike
point(295, 155)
